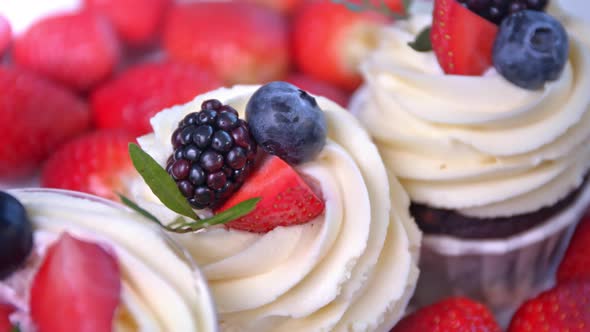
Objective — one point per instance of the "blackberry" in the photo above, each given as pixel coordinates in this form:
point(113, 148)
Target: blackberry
point(213, 154)
point(496, 10)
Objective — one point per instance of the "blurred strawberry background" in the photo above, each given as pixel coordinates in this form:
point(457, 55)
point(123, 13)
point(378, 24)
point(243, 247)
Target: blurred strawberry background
point(80, 79)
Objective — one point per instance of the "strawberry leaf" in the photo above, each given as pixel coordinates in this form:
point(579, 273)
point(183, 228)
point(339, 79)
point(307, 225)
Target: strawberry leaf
point(160, 182)
point(422, 42)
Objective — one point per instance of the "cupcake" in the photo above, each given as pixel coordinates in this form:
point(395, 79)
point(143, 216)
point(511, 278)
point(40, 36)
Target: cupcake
point(75, 262)
point(329, 247)
point(485, 120)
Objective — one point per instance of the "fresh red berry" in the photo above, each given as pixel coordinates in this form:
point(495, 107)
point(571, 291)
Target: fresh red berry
point(5, 35)
point(462, 40)
point(327, 38)
point(133, 98)
point(576, 262)
point(241, 42)
point(136, 21)
point(320, 88)
point(77, 288)
point(286, 198)
point(97, 163)
point(5, 311)
point(36, 116)
point(563, 308)
point(78, 50)
point(450, 315)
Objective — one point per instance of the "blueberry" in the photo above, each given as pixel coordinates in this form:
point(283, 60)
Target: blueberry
point(531, 48)
point(286, 122)
point(16, 235)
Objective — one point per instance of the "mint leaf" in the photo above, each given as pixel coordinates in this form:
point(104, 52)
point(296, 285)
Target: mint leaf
point(138, 209)
point(235, 212)
point(160, 182)
point(374, 5)
point(407, 4)
point(422, 42)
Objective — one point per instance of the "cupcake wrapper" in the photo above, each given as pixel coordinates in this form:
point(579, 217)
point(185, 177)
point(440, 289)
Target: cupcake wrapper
point(500, 273)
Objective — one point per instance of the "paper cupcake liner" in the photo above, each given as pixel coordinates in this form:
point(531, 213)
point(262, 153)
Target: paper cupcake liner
point(501, 273)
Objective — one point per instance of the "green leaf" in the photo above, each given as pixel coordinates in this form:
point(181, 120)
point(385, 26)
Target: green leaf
point(15, 328)
point(407, 4)
point(422, 42)
point(160, 182)
point(131, 204)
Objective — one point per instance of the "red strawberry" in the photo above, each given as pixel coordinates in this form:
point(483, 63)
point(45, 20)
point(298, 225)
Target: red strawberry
point(77, 288)
point(563, 308)
point(36, 116)
point(138, 94)
point(241, 42)
point(136, 21)
point(5, 311)
point(327, 38)
point(78, 49)
point(450, 315)
point(319, 88)
point(286, 198)
point(5, 34)
point(576, 262)
point(97, 163)
point(461, 40)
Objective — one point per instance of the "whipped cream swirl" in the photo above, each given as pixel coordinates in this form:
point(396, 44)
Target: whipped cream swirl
point(479, 145)
point(159, 292)
point(351, 269)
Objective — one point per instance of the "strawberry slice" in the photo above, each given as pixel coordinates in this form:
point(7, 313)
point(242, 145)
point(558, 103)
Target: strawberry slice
point(96, 163)
point(286, 199)
point(77, 288)
point(462, 40)
point(5, 311)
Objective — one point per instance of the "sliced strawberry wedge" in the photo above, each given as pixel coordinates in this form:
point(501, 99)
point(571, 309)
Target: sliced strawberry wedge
point(286, 199)
point(77, 288)
point(461, 40)
point(5, 311)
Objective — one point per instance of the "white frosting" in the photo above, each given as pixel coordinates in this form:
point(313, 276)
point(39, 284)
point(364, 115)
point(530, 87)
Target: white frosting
point(159, 292)
point(351, 269)
point(480, 145)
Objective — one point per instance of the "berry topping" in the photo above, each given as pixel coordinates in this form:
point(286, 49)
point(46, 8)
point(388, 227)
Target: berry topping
point(461, 40)
point(286, 198)
point(77, 288)
point(563, 308)
point(287, 122)
point(576, 261)
point(496, 10)
point(16, 235)
point(450, 315)
point(213, 153)
point(531, 49)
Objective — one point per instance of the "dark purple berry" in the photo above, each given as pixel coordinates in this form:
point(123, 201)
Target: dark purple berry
point(180, 169)
point(207, 117)
point(213, 154)
point(211, 161)
point(221, 141)
point(16, 235)
point(227, 121)
point(186, 188)
point(216, 180)
point(496, 10)
point(211, 104)
point(202, 136)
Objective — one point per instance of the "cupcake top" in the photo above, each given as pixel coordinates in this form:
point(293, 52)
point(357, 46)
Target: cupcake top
point(488, 144)
point(352, 267)
point(146, 282)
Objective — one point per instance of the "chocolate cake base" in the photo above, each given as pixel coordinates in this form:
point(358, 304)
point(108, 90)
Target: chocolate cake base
point(449, 222)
